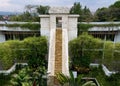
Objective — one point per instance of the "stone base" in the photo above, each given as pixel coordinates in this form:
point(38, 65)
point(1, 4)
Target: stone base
point(52, 81)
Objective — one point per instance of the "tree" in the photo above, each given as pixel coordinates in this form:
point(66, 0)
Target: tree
point(115, 5)
point(102, 14)
point(86, 15)
point(115, 11)
point(76, 9)
point(30, 7)
point(111, 13)
point(42, 9)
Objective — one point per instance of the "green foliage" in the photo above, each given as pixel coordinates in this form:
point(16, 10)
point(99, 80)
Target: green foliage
point(63, 79)
point(116, 5)
point(6, 55)
point(4, 79)
point(21, 78)
point(26, 17)
point(82, 51)
point(102, 14)
point(71, 81)
point(83, 28)
point(29, 77)
point(113, 80)
point(29, 15)
point(111, 13)
point(37, 48)
point(85, 14)
point(86, 49)
point(108, 53)
point(76, 9)
point(31, 49)
point(27, 25)
point(108, 14)
point(42, 9)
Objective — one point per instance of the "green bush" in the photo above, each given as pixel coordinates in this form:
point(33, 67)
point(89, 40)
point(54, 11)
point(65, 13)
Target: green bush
point(4, 79)
point(37, 48)
point(6, 57)
point(16, 51)
point(85, 46)
point(26, 25)
point(97, 50)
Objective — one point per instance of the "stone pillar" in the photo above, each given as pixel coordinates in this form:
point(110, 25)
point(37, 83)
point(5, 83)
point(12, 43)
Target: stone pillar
point(64, 21)
point(52, 21)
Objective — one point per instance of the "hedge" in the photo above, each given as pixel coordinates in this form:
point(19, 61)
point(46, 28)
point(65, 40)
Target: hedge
point(15, 50)
point(99, 51)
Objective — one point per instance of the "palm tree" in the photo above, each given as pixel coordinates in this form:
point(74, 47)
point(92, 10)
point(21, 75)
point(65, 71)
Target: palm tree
point(71, 81)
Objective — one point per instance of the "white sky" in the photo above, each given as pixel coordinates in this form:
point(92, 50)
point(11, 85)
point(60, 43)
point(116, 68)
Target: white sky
point(19, 5)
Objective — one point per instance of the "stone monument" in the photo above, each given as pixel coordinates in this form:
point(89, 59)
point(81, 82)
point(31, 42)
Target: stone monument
point(59, 27)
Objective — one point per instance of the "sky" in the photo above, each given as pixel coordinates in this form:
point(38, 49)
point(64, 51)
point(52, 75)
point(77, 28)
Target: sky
point(19, 5)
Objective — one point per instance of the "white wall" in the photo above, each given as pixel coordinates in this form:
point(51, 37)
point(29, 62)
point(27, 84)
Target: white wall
point(45, 25)
point(52, 21)
point(69, 22)
point(117, 37)
point(72, 28)
point(64, 21)
point(2, 37)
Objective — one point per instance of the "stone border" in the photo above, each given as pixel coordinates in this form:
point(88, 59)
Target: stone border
point(104, 68)
point(106, 71)
point(6, 72)
point(91, 79)
point(65, 58)
point(51, 57)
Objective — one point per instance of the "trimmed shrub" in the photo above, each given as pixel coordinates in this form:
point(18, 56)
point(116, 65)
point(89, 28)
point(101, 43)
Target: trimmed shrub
point(19, 51)
point(94, 50)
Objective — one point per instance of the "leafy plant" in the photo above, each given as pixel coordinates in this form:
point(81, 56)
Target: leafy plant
point(21, 78)
point(71, 81)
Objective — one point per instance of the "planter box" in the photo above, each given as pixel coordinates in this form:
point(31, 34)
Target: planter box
point(6, 72)
point(91, 79)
